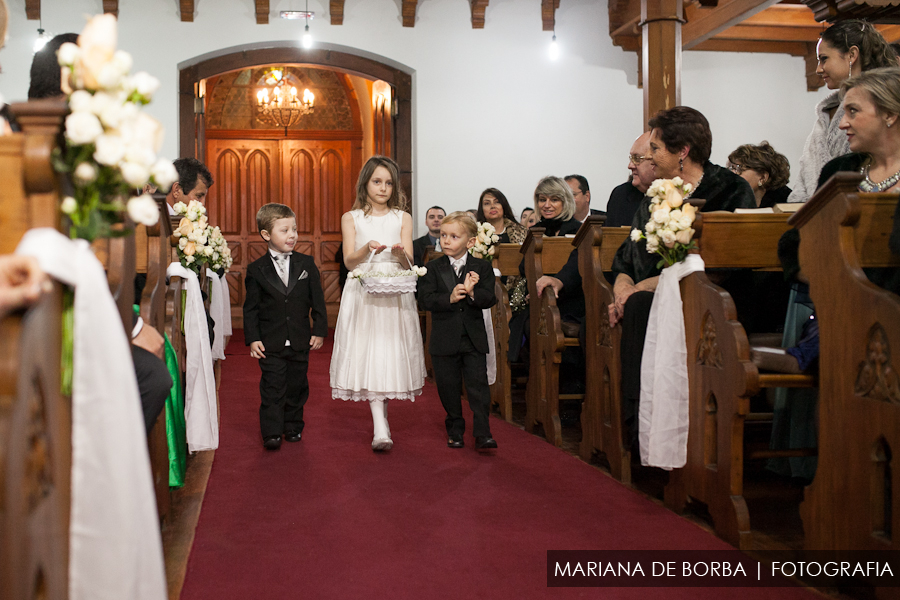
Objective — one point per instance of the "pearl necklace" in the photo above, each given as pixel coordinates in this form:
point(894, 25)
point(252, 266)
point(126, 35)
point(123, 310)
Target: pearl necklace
point(867, 185)
point(693, 188)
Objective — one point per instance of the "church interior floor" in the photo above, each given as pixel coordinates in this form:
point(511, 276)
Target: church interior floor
point(773, 503)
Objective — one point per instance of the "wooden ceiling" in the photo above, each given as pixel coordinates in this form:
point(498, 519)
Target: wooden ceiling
point(786, 27)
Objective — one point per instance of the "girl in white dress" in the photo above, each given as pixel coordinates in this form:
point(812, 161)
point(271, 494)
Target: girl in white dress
point(378, 352)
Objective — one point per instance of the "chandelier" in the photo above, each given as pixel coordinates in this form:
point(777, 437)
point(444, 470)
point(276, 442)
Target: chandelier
point(279, 105)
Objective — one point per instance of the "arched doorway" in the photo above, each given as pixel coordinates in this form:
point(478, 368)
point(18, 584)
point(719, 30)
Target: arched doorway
point(312, 170)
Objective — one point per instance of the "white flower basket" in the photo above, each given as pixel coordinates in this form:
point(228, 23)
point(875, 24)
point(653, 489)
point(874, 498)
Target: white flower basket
point(393, 283)
point(383, 287)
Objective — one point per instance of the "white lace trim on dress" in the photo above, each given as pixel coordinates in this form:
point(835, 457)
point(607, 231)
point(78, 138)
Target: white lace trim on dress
point(366, 395)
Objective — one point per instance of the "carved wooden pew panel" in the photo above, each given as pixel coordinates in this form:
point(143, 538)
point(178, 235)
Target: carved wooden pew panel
point(721, 376)
point(851, 504)
point(35, 455)
point(601, 414)
point(545, 255)
point(506, 260)
point(35, 419)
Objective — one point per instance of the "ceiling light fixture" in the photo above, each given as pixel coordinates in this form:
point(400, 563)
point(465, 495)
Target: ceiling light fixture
point(307, 37)
point(42, 38)
point(554, 48)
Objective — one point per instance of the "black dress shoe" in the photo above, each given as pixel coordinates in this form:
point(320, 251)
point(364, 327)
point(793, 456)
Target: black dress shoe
point(455, 443)
point(292, 436)
point(272, 442)
point(483, 443)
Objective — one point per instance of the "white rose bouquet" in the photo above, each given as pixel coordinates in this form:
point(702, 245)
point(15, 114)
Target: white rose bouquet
point(484, 241)
point(111, 144)
point(668, 231)
point(220, 257)
point(192, 236)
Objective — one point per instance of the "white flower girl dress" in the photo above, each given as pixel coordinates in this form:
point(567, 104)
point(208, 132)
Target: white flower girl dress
point(378, 352)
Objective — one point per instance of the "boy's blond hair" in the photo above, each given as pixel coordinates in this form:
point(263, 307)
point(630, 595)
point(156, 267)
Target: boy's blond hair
point(269, 213)
point(464, 219)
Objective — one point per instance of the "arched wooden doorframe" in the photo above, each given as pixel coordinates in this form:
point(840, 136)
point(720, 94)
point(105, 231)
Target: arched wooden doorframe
point(333, 56)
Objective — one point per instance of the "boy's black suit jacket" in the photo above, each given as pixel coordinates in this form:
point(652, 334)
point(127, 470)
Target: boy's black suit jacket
point(449, 321)
point(275, 313)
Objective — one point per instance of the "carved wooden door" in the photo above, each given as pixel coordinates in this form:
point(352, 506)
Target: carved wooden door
point(313, 177)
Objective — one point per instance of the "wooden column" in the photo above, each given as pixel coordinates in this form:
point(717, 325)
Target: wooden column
point(661, 54)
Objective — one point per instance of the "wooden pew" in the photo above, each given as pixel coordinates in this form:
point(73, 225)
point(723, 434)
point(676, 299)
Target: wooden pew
point(152, 252)
point(506, 260)
point(545, 255)
point(601, 413)
point(35, 419)
point(721, 376)
point(851, 505)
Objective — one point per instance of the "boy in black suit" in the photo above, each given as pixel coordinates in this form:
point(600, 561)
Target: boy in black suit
point(283, 291)
point(456, 289)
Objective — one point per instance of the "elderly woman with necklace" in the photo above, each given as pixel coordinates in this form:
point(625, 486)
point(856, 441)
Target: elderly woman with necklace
point(680, 145)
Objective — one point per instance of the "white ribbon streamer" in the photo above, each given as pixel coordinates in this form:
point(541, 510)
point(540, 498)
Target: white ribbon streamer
point(217, 312)
point(115, 550)
point(226, 296)
point(664, 415)
point(200, 411)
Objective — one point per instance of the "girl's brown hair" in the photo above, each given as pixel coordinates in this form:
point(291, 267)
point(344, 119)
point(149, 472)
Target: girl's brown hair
point(397, 199)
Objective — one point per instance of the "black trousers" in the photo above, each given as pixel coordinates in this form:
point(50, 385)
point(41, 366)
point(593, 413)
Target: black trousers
point(283, 390)
point(634, 330)
point(449, 372)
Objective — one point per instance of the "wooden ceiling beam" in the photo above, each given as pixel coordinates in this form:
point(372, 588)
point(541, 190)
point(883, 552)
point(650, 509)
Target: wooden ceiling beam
point(709, 22)
point(784, 15)
point(187, 10)
point(111, 7)
point(548, 14)
point(262, 12)
point(408, 11)
point(336, 8)
point(717, 45)
point(33, 10)
point(624, 16)
point(769, 34)
point(478, 8)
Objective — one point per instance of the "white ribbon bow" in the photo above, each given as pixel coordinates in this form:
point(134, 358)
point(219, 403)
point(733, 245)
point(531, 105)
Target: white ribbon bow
point(664, 415)
point(115, 550)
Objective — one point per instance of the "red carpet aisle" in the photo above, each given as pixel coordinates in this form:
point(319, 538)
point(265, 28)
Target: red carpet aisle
point(327, 518)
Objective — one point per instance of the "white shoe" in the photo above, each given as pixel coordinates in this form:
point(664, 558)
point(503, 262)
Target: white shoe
point(382, 444)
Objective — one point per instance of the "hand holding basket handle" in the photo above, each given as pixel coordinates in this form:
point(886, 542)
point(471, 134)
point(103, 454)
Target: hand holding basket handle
point(376, 247)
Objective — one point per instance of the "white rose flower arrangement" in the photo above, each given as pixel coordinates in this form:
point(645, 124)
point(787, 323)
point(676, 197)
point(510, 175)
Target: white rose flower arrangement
point(197, 242)
point(668, 231)
point(111, 144)
point(484, 241)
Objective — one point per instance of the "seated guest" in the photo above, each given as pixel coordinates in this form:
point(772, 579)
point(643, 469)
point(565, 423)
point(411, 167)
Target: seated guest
point(22, 282)
point(766, 170)
point(526, 212)
point(555, 204)
point(45, 73)
point(624, 199)
point(194, 181)
point(433, 218)
point(493, 208)
point(680, 145)
point(582, 193)
point(531, 220)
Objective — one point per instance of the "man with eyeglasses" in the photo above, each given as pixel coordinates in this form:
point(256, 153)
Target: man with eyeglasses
point(623, 203)
point(582, 192)
point(624, 199)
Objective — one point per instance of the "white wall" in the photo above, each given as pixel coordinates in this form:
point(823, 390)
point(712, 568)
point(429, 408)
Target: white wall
point(491, 108)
